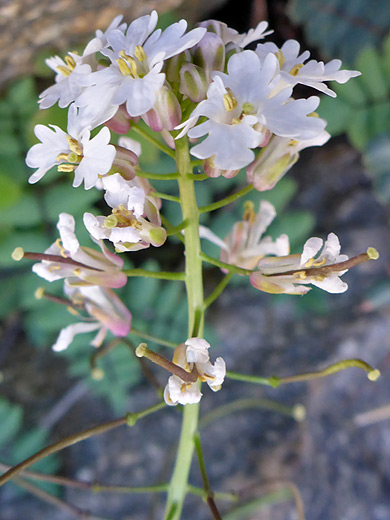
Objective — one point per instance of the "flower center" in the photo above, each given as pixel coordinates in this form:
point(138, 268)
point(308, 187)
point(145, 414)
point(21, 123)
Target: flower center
point(133, 66)
point(73, 158)
point(121, 218)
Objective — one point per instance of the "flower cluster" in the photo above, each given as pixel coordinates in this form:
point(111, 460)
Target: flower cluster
point(193, 356)
point(236, 108)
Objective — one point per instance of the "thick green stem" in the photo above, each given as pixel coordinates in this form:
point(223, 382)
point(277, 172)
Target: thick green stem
point(194, 285)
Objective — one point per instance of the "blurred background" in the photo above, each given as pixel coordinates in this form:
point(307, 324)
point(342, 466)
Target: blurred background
point(339, 455)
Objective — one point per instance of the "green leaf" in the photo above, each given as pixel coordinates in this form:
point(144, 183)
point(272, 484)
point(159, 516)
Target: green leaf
point(336, 112)
point(358, 128)
point(373, 78)
point(11, 417)
point(24, 213)
point(10, 192)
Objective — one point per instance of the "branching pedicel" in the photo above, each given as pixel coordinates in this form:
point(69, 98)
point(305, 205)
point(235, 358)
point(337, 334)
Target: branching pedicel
point(238, 106)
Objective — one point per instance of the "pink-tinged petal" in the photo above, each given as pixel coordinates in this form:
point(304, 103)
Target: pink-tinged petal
point(273, 285)
point(111, 279)
point(66, 227)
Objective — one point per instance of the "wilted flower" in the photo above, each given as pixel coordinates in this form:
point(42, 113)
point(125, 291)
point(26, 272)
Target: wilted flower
point(193, 356)
point(105, 311)
point(319, 267)
point(79, 265)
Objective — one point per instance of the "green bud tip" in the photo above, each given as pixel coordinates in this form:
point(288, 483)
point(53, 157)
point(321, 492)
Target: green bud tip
point(372, 253)
point(17, 254)
point(374, 375)
point(141, 350)
point(131, 419)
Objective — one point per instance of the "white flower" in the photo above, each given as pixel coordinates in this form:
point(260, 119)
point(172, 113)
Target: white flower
point(290, 274)
point(72, 151)
point(241, 112)
point(134, 223)
point(137, 58)
point(104, 307)
point(193, 355)
point(80, 265)
point(230, 35)
point(294, 70)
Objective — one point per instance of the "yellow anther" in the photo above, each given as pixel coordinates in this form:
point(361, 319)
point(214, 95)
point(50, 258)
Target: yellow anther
point(139, 53)
point(281, 58)
point(69, 60)
point(62, 157)
point(309, 263)
point(77, 271)
point(319, 263)
point(141, 350)
point(110, 222)
point(61, 248)
point(320, 277)
point(39, 293)
point(63, 70)
point(17, 254)
point(229, 101)
point(124, 67)
point(374, 375)
point(294, 71)
point(313, 114)
point(74, 145)
point(66, 168)
point(249, 213)
point(54, 267)
point(247, 108)
point(72, 311)
point(293, 142)
point(236, 121)
point(372, 253)
point(301, 275)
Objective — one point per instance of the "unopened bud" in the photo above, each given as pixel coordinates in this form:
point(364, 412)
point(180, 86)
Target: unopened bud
point(209, 54)
point(174, 64)
point(193, 82)
point(166, 113)
point(157, 235)
point(124, 163)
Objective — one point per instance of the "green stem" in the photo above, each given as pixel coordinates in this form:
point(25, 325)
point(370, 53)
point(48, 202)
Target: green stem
point(220, 495)
point(161, 275)
point(198, 176)
point(224, 265)
point(165, 196)
point(130, 419)
point(372, 374)
point(156, 142)
point(218, 290)
point(157, 176)
point(171, 230)
point(194, 286)
point(177, 229)
point(148, 337)
point(206, 484)
point(226, 200)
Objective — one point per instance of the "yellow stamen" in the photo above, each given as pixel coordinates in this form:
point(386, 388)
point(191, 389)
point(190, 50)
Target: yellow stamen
point(139, 53)
point(319, 263)
point(61, 248)
point(74, 145)
point(301, 275)
point(17, 254)
point(281, 58)
point(124, 67)
point(72, 311)
point(62, 157)
point(229, 101)
point(249, 213)
point(141, 350)
point(293, 142)
point(69, 60)
point(313, 114)
point(247, 108)
point(77, 271)
point(110, 222)
point(67, 168)
point(309, 263)
point(294, 71)
point(54, 267)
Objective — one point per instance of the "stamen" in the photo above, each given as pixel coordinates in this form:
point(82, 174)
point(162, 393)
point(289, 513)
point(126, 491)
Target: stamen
point(374, 375)
point(62, 157)
point(66, 168)
point(294, 71)
point(372, 253)
point(247, 108)
point(110, 222)
point(249, 212)
point(70, 62)
point(58, 243)
point(319, 263)
point(301, 275)
point(74, 145)
point(281, 58)
point(229, 101)
point(63, 70)
point(139, 53)
point(124, 67)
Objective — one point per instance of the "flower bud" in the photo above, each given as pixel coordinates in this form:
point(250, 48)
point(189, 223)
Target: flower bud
point(174, 64)
point(120, 123)
point(210, 54)
point(193, 82)
point(212, 171)
point(166, 113)
point(124, 163)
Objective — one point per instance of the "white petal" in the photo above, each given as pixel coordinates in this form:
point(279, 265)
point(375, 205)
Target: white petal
point(197, 350)
point(67, 334)
point(310, 249)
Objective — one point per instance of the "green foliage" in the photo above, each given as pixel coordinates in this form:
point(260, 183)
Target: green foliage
point(17, 443)
point(362, 111)
point(340, 28)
